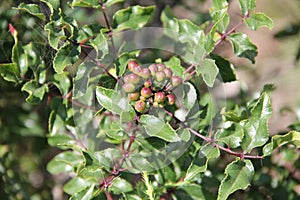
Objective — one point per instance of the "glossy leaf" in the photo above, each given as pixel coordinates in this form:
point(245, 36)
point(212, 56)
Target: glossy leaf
point(120, 185)
point(36, 92)
point(133, 17)
point(76, 185)
point(231, 136)
point(220, 16)
point(85, 194)
point(156, 127)
point(208, 71)
point(10, 72)
point(170, 24)
point(256, 127)
point(64, 162)
point(226, 69)
point(257, 20)
point(32, 9)
point(86, 3)
point(112, 100)
point(243, 47)
point(247, 6)
point(175, 65)
point(292, 137)
point(109, 3)
point(200, 161)
point(62, 82)
point(66, 56)
point(238, 175)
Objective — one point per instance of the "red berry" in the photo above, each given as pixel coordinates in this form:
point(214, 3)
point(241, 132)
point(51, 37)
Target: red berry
point(140, 106)
point(146, 92)
point(134, 96)
point(171, 99)
point(128, 87)
point(175, 80)
point(134, 79)
point(159, 97)
point(160, 76)
point(131, 64)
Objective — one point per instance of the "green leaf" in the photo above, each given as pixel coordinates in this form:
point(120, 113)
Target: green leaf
point(191, 190)
point(109, 3)
point(208, 71)
point(10, 72)
point(120, 185)
point(156, 127)
point(247, 6)
point(257, 20)
point(226, 69)
point(64, 162)
point(170, 24)
point(86, 3)
point(189, 32)
point(219, 13)
point(256, 127)
point(36, 92)
point(200, 161)
point(66, 56)
point(76, 185)
point(32, 9)
point(175, 65)
point(232, 136)
point(238, 175)
point(85, 194)
point(62, 82)
point(243, 47)
point(133, 17)
point(112, 100)
point(292, 137)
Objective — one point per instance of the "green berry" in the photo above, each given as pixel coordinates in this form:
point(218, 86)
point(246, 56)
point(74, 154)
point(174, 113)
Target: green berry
point(134, 79)
point(153, 69)
point(147, 83)
point(134, 96)
point(145, 73)
point(159, 97)
point(161, 66)
point(168, 72)
point(146, 92)
point(171, 99)
point(160, 76)
point(131, 64)
point(175, 80)
point(128, 87)
point(140, 106)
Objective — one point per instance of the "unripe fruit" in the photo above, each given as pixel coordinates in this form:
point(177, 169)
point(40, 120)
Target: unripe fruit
point(128, 87)
point(146, 92)
point(175, 80)
point(140, 106)
point(153, 69)
point(168, 72)
point(145, 73)
point(132, 78)
point(159, 97)
point(137, 69)
point(147, 83)
point(155, 104)
point(160, 66)
point(160, 76)
point(134, 96)
point(171, 99)
point(131, 64)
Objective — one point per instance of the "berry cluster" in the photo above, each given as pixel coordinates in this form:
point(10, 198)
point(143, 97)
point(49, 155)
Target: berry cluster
point(150, 86)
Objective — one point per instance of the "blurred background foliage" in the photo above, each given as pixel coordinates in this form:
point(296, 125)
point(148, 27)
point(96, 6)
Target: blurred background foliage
point(24, 151)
